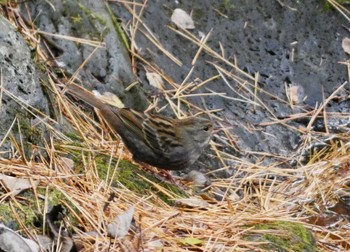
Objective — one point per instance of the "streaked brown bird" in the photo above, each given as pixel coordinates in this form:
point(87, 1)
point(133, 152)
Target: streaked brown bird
point(166, 143)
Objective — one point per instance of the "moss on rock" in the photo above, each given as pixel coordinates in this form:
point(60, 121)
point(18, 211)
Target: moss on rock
point(284, 236)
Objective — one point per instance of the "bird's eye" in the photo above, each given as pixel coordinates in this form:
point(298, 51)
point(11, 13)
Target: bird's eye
point(206, 128)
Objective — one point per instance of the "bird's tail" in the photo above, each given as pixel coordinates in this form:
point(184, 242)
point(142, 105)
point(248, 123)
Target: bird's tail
point(110, 115)
point(85, 95)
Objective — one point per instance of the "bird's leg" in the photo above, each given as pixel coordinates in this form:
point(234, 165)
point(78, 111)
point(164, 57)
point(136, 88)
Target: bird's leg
point(162, 175)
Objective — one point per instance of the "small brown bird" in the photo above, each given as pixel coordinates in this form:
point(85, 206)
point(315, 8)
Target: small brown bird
point(171, 144)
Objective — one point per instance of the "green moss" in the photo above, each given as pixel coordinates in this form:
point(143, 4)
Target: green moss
point(74, 137)
point(29, 132)
point(131, 177)
point(292, 236)
point(26, 209)
point(21, 210)
point(327, 6)
point(198, 14)
point(127, 174)
point(11, 211)
point(343, 1)
point(226, 6)
point(92, 16)
point(7, 216)
point(118, 27)
point(28, 213)
point(84, 20)
point(55, 197)
point(25, 134)
point(76, 19)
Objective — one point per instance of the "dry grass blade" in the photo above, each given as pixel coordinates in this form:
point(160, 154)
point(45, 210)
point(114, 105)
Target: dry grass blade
point(345, 12)
point(96, 44)
point(210, 51)
point(137, 22)
point(324, 104)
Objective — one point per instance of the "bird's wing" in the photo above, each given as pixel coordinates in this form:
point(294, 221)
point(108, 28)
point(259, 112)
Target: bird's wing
point(132, 121)
point(159, 133)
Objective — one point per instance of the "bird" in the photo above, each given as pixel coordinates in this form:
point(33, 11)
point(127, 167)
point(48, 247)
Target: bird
point(157, 140)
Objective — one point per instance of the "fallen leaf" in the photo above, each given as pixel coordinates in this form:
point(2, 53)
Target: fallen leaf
point(201, 35)
point(181, 19)
point(109, 98)
point(16, 185)
point(191, 241)
point(296, 94)
point(10, 241)
point(90, 234)
point(346, 45)
point(155, 80)
point(197, 178)
point(155, 244)
point(120, 227)
point(66, 163)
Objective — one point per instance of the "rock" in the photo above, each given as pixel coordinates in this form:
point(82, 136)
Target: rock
point(20, 89)
point(289, 43)
point(109, 67)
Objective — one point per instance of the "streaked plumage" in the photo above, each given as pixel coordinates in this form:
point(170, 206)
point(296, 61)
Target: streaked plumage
point(163, 142)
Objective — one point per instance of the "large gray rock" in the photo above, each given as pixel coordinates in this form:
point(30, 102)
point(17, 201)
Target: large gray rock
point(109, 68)
point(286, 42)
point(20, 89)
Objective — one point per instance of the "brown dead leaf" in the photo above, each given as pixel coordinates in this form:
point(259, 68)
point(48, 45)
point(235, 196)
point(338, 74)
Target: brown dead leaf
point(155, 80)
point(122, 223)
point(16, 185)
